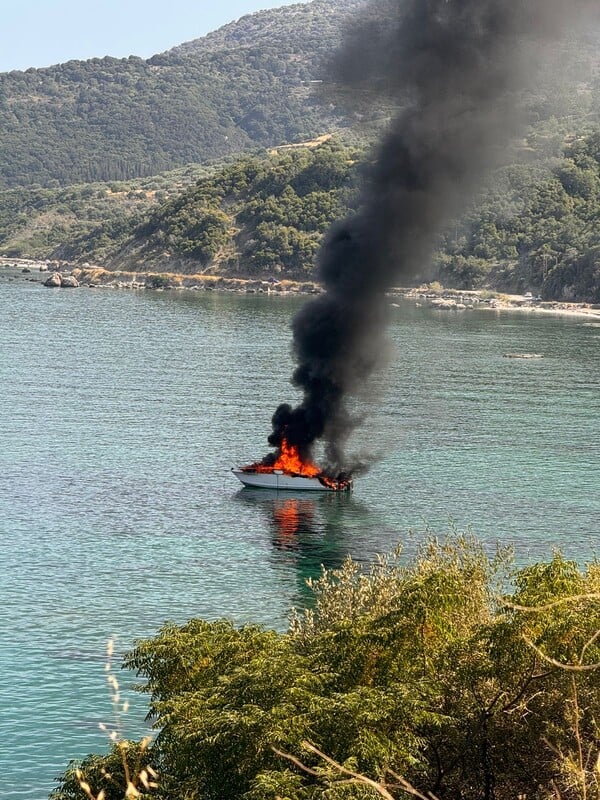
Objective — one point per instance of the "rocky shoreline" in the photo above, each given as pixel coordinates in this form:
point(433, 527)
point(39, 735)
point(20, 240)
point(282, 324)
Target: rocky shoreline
point(97, 277)
point(463, 300)
point(63, 275)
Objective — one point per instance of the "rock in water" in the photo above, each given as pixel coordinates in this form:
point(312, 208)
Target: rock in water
point(54, 281)
point(69, 282)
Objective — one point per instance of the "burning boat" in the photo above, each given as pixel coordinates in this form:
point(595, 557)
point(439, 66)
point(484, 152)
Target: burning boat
point(289, 471)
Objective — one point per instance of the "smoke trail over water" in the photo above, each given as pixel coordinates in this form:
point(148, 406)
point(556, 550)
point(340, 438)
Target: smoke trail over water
point(454, 67)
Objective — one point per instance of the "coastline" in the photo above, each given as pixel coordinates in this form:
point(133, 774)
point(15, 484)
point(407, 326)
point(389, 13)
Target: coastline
point(484, 299)
point(95, 277)
point(438, 298)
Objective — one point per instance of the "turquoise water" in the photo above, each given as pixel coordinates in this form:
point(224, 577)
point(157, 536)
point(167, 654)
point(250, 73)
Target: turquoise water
point(121, 415)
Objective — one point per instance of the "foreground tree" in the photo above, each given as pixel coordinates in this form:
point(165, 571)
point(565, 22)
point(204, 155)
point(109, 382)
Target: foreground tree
point(419, 677)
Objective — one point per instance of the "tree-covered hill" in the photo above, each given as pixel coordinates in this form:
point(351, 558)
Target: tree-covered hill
point(275, 32)
point(251, 84)
point(534, 228)
point(42, 223)
point(259, 216)
point(256, 214)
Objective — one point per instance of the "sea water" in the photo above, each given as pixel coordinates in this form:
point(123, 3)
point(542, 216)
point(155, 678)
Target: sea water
point(121, 414)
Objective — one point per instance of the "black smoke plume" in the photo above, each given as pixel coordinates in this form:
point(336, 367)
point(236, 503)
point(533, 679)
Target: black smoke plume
point(454, 67)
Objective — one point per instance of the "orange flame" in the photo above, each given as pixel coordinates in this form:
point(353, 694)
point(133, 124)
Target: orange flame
point(289, 461)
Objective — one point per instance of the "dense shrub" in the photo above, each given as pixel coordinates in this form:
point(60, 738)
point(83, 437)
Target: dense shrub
point(426, 669)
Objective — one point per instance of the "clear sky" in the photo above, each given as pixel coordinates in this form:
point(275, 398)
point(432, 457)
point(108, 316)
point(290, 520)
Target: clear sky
point(38, 33)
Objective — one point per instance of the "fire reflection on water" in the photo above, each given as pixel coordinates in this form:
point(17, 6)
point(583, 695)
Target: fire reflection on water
point(289, 515)
point(307, 530)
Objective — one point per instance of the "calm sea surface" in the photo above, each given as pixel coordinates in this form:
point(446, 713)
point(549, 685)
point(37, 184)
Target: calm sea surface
point(121, 413)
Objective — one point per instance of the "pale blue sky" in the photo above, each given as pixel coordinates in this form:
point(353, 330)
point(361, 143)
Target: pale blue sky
point(38, 33)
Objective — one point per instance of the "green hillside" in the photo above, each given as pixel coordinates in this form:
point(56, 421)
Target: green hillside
point(534, 228)
point(258, 214)
point(161, 164)
point(251, 84)
point(76, 220)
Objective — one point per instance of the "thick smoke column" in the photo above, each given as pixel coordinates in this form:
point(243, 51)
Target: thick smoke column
point(454, 66)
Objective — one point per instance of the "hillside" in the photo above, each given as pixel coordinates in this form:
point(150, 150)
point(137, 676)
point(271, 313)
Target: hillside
point(258, 214)
point(251, 84)
point(90, 152)
point(534, 228)
point(45, 222)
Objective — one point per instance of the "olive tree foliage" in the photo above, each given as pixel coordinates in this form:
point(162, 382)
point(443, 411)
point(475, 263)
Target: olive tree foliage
point(426, 670)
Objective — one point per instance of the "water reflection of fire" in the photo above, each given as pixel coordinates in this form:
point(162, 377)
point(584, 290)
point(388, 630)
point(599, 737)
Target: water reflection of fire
point(307, 531)
point(289, 461)
point(288, 516)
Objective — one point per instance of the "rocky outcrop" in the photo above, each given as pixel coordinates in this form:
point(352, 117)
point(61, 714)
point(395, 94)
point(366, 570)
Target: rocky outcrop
point(54, 281)
point(58, 281)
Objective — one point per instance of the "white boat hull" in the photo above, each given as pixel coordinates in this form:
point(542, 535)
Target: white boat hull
point(279, 480)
